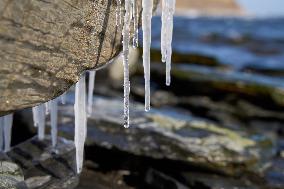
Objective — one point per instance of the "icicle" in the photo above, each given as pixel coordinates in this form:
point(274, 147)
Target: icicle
point(80, 121)
point(63, 98)
point(126, 31)
point(40, 118)
point(8, 122)
point(1, 134)
point(168, 9)
point(35, 116)
point(92, 75)
point(135, 23)
point(53, 121)
point(146, 26)
point(47, 108)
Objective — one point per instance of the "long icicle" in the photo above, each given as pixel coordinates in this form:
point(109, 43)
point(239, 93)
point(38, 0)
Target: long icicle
point(92, 75)
point(53, 121)
point(168, 9)
point(63, 98)
point(41, 121)
point(8, 122)
point(35, 116)
point(135, 23)
point(126, 31)
point(80, 122)
point(146, 26)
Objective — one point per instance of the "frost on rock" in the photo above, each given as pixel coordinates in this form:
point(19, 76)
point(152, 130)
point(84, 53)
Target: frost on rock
point(168, 9)
point(39, 120)
point(53, 120)
point(6, 123)
point(147, 6)
point(92, 75)
point(80, 122)
point(126, 37)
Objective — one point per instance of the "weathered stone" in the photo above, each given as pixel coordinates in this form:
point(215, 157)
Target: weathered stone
point(11, 175)
point(172, 135)
point(46, 45)
point(44, 166)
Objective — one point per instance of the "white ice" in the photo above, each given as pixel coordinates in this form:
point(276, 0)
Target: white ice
point(135, 16)
point(168, 9)
point(92, 75)
point(53, 120)
point(41, 121)
point(39, 113)
point(80, 121)
point(126, 36)
point(8, 122)
point(63, 98)
point(146, 26)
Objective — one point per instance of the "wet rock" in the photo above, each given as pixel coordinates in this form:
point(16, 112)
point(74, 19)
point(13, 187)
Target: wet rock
point(11, 175)
point(45, 167)
point(45, 47)
point(219, 83)
point(213, 181)
point(160, 180)
point(172, 135)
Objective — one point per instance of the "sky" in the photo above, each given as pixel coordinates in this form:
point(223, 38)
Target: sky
point(264, 7)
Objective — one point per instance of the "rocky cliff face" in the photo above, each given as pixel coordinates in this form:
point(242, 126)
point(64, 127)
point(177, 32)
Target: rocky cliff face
point(210, 7)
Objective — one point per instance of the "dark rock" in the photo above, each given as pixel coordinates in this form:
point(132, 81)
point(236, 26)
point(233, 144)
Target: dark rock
point(172, 135)
point(44, 166)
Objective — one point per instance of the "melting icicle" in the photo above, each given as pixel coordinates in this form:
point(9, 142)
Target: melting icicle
point(35, 116)
point(39, 120)
point(80, 121)
point(8, 122)
point(47, 108)
point(168, 9)
point(126, 31)
point(92, 75)
point(135, 23)
point(53, 121)
point(146, 26)
point(63, 98)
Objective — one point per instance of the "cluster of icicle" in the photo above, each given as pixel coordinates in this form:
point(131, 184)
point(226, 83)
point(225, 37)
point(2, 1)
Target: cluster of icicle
point(81, 112)
point(168, 9)
point(130, 23)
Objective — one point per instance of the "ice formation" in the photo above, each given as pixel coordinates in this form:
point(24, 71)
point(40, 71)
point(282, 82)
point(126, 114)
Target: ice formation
point(6, 123)
point(92, 75)
point(80, 121)
point(39, 120)
point(63, 98)
point(168, 9)
point(135, 15)
point(53, 120)
point(146, 26)
point(126, 37)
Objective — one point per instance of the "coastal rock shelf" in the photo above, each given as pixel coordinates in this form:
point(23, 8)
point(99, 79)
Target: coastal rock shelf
point(171, 135)
point(35, 164)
